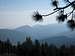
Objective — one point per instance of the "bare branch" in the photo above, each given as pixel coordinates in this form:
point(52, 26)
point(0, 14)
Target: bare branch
point(68, 1)
point(65, 6)
point(57, 9)
point(50, 13)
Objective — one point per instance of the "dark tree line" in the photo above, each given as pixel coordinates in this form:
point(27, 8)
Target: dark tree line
point(62, 11)
point(28, 48)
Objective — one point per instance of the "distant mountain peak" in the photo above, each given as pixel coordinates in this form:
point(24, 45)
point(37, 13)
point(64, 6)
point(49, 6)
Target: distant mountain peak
point(24, 27)
point(39, 32)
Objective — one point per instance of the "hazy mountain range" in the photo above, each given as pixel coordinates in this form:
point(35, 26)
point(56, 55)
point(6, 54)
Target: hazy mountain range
point(43, 31)
point(54, 33)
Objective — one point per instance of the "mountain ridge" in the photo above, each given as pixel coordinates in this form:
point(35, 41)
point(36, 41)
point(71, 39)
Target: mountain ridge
point(39, 33)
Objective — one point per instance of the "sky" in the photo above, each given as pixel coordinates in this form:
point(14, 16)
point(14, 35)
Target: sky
point(15, 13)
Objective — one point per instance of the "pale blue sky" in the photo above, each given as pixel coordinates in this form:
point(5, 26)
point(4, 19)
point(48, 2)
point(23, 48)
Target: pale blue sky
point(24, 4)
point(15, 13)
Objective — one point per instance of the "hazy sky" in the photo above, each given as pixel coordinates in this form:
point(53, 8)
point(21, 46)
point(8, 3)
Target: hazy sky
point(14, 13)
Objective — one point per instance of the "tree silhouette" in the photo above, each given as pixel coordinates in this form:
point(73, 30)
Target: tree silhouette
point(63, 15)
point(38, 49)
point(8, 45)
point(27, 43)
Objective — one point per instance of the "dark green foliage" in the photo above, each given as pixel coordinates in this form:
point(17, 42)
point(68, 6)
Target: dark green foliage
point(61, 18)
point(55, 3)
point(71, 24)
point(37, 17)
